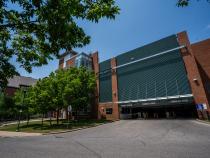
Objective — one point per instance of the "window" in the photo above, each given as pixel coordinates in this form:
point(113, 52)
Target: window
point(108, 111)
point(83, 60)
point(125, 110)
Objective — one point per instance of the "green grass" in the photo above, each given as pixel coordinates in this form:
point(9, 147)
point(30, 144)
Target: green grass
point(36, 127)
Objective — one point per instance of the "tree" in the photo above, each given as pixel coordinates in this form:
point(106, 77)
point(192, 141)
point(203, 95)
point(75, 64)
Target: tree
point(79, 89)
point(7, 107)
point(74, 86)
point(24, 101)
point(41, 98)
point(55, 90)
point(36, 30)
point(2, 106)
point(184, 3)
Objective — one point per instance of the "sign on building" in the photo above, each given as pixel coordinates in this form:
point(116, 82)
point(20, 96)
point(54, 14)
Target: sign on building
point(201, 106)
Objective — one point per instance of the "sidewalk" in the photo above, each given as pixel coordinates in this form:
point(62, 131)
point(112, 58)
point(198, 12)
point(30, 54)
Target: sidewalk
point(17, 134)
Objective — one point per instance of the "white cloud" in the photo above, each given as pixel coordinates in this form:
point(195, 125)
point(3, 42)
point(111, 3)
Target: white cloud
point(208, 26)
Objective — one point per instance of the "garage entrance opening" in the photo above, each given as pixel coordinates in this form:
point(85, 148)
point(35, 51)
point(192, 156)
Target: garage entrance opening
point(158, 112)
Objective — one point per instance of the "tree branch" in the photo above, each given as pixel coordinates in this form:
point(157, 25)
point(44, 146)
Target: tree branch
point(12, 25)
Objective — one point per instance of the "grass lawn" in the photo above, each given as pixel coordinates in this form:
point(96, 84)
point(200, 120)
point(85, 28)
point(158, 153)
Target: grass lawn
point(207, 121)
point(36, 126)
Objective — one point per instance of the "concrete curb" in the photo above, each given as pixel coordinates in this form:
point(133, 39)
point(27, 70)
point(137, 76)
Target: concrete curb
point(49, 133)
point(66, 131)
point(6, 134)
point(76, 129)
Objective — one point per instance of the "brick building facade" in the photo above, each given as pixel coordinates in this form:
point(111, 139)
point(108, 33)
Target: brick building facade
point(169, 75)
point(18, 82)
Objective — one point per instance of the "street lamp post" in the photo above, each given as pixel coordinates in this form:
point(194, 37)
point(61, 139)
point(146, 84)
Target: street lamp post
point(20, 111)
point(69, 110)
point(18, 127)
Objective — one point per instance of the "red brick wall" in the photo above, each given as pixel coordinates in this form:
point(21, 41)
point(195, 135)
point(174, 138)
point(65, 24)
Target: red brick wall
point(114, 105)
point(201, 51)
point(70, 62)
point(96, 71)
point(114, 90)
point(102, 111)
point(10, 91)
point(192, 70)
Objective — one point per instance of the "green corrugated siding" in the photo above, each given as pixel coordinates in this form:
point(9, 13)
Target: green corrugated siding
point(105, 83)
point(156, 77)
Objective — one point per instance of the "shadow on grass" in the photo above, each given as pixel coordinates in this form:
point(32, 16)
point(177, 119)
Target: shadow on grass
point(63, 125)
point(45, 127)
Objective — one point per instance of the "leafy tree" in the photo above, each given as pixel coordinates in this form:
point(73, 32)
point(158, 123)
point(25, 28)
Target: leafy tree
point(79, 89)
point(35, 30)
point(24, 101)
point(7, 107)
point(74, 86)
point(56, 84)
point(184, 3)
point(41, 98)
point(2, 106)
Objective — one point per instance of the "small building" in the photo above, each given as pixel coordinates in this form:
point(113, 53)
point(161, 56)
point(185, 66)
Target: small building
point(18, 82)
point(166, 78)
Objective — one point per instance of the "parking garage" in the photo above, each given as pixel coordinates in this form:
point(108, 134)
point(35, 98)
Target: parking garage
point(152, 81)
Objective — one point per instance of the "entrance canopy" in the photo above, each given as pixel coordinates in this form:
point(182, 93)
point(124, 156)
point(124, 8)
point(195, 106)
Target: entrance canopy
point(159, 102)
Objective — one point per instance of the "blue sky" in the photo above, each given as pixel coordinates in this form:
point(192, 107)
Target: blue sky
point(140, 22)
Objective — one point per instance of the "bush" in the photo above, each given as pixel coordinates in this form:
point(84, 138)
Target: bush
point(8, 109)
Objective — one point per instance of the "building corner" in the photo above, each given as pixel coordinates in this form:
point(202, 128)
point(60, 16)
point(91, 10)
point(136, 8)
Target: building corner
point(193, 74)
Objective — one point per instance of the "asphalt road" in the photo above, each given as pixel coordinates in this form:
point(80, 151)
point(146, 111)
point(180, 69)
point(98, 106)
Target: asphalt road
point(122, 139)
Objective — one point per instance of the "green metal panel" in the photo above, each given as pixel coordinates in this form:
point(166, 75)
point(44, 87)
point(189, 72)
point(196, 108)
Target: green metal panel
point(161, 76)
point(105, 83)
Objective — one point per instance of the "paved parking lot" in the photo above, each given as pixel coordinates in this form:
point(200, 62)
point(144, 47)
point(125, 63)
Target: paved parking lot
point(122, 139)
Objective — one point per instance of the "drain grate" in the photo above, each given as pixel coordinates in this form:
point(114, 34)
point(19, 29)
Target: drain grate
point(59, 137)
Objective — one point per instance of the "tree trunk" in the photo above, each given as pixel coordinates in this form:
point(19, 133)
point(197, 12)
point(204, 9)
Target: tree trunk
point(42, 119)
point(75, 115)
point(57, 116)
point(50, 118)
point(28, 118)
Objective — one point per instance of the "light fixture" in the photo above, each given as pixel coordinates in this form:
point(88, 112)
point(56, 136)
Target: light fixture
point(114, 93)
point(195, 79)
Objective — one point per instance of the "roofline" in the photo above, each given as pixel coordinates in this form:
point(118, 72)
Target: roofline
point(68, 52)
point(144, 45)
point(205, 40)
point(12, 87)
